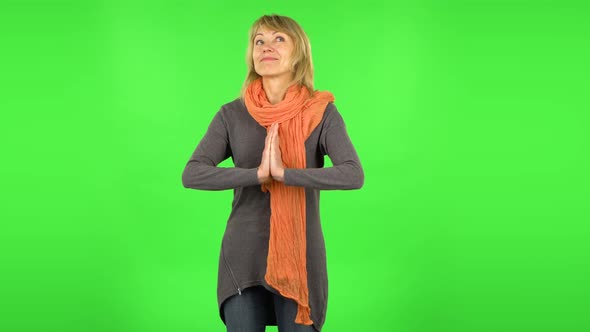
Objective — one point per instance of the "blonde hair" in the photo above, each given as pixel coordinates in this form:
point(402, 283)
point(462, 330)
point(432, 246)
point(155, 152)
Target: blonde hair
point(301, 63)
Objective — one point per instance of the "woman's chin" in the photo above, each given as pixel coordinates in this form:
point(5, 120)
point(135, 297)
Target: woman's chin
point(269, 74)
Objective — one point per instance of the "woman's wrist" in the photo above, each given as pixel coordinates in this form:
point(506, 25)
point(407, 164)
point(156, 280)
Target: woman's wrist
point(262, 177)
point(279, 175)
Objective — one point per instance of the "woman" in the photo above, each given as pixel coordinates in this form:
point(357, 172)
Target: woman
point(272, 265)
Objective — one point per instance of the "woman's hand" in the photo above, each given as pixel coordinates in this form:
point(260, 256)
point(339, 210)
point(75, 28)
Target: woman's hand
point(264, 168)
point(277, 170)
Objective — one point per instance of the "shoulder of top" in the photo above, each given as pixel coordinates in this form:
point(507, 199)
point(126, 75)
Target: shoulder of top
point(331, 107)
point(232, 106)
point(331, 111)
point(232, 111)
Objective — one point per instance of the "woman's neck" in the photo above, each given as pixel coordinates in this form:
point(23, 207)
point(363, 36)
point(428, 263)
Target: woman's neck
point(276, 87)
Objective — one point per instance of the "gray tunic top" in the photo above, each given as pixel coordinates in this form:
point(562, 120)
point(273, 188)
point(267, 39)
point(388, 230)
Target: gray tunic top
point(244, 247)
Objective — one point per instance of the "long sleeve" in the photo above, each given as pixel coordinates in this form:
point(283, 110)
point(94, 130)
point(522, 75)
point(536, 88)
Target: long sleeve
point(346, 172)
point(201, 171)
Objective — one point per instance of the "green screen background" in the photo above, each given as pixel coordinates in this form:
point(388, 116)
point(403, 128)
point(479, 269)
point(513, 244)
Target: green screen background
point(470, 119)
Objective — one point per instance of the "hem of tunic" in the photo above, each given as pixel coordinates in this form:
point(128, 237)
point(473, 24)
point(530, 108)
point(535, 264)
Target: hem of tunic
point(248, 285)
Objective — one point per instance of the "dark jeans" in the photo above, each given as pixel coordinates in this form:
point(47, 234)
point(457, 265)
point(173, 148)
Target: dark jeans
point(248, 312)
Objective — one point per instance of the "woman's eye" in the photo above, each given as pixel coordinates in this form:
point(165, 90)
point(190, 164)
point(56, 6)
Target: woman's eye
point(260, 42)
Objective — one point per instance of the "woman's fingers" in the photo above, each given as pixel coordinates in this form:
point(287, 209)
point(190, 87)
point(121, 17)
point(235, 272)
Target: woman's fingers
point(276, 162)
point(264, 168)
point(268, 136)
point(276, 131)
point(271, 132)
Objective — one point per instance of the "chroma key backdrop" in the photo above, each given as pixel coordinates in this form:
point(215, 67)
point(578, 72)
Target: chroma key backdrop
point(471, 120)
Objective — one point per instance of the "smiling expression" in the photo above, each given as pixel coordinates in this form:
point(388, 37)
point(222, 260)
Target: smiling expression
point(271, 54)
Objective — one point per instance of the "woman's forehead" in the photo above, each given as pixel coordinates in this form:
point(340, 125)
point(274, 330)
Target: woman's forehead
point(267, 30)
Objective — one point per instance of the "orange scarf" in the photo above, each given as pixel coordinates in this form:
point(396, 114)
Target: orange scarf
point(298, 115)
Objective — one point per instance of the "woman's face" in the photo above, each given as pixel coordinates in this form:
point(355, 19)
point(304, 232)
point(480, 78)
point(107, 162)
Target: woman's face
point(272, 53)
